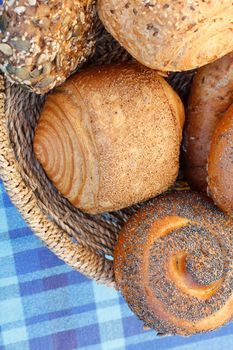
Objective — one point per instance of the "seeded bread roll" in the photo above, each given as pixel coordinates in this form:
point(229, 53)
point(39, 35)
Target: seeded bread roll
point(220, 164)
point(110, 137)
point(210, 97)
point(170, 35)
point(173, 263)
point(42, 42)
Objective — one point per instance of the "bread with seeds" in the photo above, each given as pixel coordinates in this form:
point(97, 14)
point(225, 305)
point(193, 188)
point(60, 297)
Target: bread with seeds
point(171, 35)
point(42, 42)
point(173, 264)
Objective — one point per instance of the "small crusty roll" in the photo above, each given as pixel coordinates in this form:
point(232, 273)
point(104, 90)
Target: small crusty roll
point(210, 96)
point(220, 164)
point(173, 263)
point(43, 42)
point(110, 137)
point(170, 35)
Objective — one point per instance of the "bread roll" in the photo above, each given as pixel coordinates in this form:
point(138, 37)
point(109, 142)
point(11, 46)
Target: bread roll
point(211, 95)
point(173, 264)
point(171, 35)
point(220, 164)
point(42, 42)
point(110, 137)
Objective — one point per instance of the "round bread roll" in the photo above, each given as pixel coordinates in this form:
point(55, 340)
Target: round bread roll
point(105, 138)
point(220, 164)
point(170, 35)
point(42, 42)
point(211, 95)
point(174, 264)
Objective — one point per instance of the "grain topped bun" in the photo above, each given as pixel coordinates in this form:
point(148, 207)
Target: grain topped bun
point(220, 164)
point(174, 264)
point(170, 35)
point(42, 42)
point(106, 137)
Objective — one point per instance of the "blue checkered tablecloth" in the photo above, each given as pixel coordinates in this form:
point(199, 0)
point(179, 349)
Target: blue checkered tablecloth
point(45, 305)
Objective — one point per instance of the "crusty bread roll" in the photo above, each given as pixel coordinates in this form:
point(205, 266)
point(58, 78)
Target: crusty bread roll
point(170, 35)
point(42, 42)
point(173, 264)
point(110, 137)
point(220, 164)
point(210, 96)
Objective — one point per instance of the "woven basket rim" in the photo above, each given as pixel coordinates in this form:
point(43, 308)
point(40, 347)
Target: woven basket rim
point(57, 240)
point(59, 237)
point(82, 258)
point(81, 240)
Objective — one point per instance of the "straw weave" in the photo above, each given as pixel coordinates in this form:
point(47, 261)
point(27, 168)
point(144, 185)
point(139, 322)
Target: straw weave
point(83, 241)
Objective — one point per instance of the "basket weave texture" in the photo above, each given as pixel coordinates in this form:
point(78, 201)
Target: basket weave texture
point(83, 241)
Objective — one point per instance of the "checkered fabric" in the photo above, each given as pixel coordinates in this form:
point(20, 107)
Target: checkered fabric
point(45, 305)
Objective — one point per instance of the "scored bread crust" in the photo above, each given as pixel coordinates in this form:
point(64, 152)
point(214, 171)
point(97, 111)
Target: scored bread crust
point(110, 137)
point(170, 35)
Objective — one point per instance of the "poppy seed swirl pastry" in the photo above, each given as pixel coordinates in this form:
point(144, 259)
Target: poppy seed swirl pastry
point(174, 264)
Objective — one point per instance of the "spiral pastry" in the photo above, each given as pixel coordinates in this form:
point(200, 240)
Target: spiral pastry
point(174, 264)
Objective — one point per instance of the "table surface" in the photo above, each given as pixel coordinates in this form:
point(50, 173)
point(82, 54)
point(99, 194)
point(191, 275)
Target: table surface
point(45, 305)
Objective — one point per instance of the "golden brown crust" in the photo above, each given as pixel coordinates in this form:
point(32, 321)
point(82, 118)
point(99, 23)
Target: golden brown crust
point(174, 264)
point(112, 131)
point(43, 42)
point(211, 95)
point(170, 35)
point(220, 164)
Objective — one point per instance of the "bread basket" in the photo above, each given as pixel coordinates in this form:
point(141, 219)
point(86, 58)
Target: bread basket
point(84, 242)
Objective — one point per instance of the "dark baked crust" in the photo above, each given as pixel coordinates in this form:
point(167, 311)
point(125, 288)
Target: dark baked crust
point(173, 264)
point(220, 164)
point(211, 95)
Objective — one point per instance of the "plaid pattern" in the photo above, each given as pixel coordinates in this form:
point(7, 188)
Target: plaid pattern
point(45, 305)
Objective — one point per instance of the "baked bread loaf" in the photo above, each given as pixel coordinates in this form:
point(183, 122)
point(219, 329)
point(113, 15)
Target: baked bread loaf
point(211, 95)
point(170, 35)
point(42, 42)
point(174, 264)
point(110, 137)
point(220, 164)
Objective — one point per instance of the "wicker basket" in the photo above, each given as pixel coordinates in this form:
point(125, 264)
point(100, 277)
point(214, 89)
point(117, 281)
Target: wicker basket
point(83, 241)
